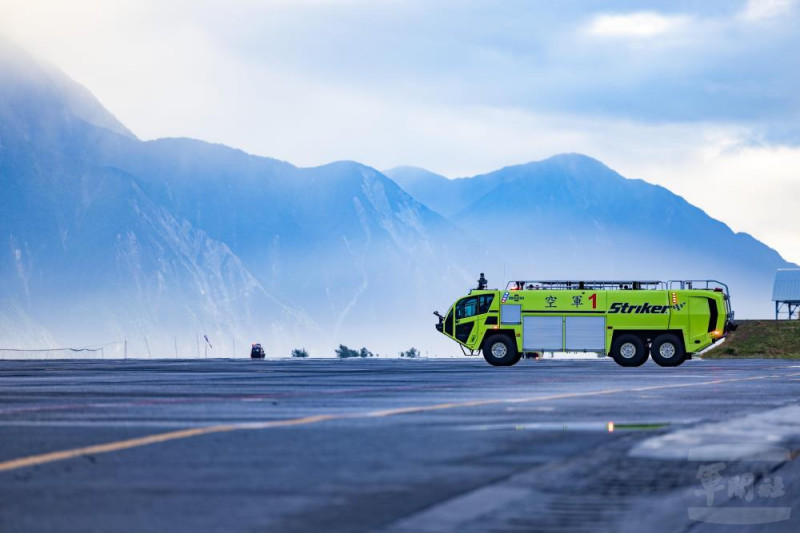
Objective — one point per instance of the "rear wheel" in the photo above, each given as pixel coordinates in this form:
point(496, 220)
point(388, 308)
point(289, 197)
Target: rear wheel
point(629, 350)
point(667, 350)
point(499, 350)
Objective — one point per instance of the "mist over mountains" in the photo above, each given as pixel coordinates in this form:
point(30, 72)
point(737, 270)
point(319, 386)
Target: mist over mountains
point(571, 216)
point(106, 237)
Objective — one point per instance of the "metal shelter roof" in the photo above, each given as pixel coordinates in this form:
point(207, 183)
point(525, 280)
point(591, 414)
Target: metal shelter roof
point(787, 286)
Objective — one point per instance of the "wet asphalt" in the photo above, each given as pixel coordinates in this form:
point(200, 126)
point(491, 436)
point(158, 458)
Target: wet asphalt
point(388, 445)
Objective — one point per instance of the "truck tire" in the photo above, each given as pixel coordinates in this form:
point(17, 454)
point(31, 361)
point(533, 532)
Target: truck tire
point(629, 350)
point(667, 350)
point(499, 350)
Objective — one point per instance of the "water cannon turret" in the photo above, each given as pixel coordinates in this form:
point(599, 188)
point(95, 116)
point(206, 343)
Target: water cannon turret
point(482, 283)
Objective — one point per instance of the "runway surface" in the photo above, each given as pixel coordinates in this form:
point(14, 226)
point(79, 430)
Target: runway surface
point(398, 445)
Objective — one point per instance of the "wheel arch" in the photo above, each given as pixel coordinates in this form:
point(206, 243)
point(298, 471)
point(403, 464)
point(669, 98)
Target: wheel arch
point(507, 332)
point(648, 335)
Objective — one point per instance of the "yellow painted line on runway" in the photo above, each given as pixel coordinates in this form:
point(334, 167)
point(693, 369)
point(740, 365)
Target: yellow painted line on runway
point(44, 458)
point(34, 460)
point(287, 423)
point(425, 408)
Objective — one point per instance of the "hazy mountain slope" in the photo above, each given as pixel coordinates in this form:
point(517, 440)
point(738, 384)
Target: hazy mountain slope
point(42, 90)
point(571, 216)
point(88, 256)
point(445, 196)
point(340, 238)
point(109, 237)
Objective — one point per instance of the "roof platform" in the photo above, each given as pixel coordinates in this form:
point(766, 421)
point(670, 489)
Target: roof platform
point(604, 285)
point(610, 285)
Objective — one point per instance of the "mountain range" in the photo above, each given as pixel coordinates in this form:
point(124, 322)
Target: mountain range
point(108, 238)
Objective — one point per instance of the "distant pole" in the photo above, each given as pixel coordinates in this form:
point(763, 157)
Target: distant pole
point(176, 346)
point(206, 345)
point(197, 339)
point(147, 345)
point(233, 353)
point(126, 348)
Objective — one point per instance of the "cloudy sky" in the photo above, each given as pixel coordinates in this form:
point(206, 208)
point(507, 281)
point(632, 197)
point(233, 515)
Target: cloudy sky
point(700, 96)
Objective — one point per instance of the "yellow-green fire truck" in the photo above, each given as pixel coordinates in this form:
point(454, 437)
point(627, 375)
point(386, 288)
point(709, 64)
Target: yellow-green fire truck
point(627, 320)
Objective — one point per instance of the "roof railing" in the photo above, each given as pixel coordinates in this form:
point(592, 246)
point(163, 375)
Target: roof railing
point(529, 285)
point(703, 284)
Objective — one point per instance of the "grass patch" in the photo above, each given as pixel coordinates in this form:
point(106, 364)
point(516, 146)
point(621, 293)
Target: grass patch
point(767, 339)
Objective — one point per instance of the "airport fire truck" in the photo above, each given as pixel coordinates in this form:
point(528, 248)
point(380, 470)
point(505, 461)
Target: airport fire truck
point(627, 320)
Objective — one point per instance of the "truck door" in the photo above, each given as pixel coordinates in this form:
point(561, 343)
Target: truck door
point(466, 314)
point(448, 323)
point(700, 319)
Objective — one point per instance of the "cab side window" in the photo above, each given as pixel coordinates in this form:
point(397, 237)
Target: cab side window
point(448, 323)
point(484, 302)
point(466, 308)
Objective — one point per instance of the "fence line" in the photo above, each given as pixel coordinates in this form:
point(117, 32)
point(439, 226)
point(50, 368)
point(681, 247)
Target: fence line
point(48, 352)
point(138, 347)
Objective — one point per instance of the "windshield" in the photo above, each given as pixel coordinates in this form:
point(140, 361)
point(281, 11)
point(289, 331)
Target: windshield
point(473, 305)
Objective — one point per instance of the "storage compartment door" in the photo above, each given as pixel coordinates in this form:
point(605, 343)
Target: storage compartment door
point(542, 333)
point(585, 333)
point(510, 313)
point(699, 313)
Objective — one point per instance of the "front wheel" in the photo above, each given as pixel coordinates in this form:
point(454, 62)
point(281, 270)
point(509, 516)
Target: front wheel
point(667, 350)
point(499, 350)
point(629, 350)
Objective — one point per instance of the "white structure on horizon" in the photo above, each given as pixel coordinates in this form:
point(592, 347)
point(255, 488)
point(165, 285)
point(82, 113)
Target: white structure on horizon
point(786, 292)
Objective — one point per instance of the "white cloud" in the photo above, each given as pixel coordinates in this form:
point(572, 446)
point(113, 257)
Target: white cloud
point(642, 24)
point(767, 9)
